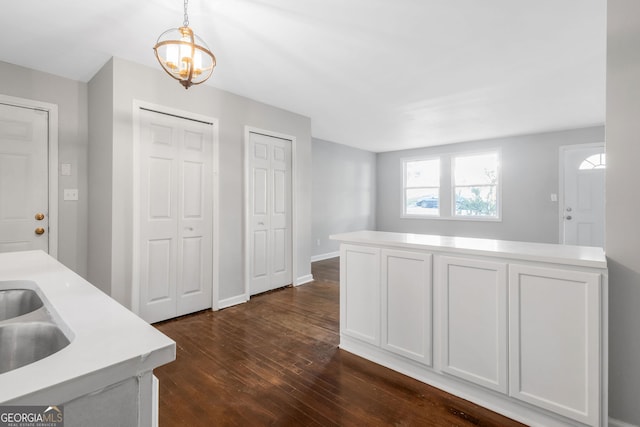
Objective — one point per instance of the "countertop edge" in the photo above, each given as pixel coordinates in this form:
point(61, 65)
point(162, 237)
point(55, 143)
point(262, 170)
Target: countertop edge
point(110, 343)
point(579, 256)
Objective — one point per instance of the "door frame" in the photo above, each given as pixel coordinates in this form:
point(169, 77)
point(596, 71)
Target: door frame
point(247, 220)
point(561, 193)
point(52, 153)
point(215, 241)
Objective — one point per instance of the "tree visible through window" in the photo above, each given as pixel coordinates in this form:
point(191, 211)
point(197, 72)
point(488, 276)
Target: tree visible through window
point(475, 185)
point(422, 187)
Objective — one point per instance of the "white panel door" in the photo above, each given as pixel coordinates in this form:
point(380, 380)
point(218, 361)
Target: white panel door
point(583, 193)
point(176, 216)
point(474, 321)
point(406, 286)
point(24, 179)
point(554, 340)
point(269, 213)
point(360, 293)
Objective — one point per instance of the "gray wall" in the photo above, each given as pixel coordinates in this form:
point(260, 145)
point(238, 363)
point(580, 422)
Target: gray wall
point(623, 207)
point(100, 182)
point(529, 177)
point(343, 194)
point(131, 82)
point(71, 98)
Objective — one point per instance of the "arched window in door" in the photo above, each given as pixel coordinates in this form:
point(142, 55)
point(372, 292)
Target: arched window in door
point(596, 161)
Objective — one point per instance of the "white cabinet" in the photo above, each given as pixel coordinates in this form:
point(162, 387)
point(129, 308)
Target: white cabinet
point(555, 340)
point(406, 286)
point(517, 327)
point(360, 293)
point(474, 320)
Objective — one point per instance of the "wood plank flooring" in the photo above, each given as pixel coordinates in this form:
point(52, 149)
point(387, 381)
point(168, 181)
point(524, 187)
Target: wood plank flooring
point(274, 361)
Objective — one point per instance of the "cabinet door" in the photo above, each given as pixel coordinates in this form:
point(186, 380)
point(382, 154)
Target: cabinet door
point(555, 340)
point(406, 304)
point(474, 321)
point(360, 293)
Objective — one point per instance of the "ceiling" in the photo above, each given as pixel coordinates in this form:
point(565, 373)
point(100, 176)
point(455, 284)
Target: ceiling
point(379, 75)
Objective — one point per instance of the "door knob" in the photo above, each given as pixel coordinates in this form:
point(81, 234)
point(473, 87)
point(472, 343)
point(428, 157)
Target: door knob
point(568, 217)
point(39, 230)
point(39, 216)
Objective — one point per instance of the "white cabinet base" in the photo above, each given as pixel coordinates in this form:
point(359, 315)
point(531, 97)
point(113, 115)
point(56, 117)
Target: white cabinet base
point(493, 401)
point(555, 339)
point(519, 328)
point(406, 304)
point(474, 321)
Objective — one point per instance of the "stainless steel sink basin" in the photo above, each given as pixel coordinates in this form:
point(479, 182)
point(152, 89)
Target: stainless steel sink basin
point(16, 302)
point(24, 343)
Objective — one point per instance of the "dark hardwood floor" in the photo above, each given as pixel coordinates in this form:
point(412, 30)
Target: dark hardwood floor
point(275, 361)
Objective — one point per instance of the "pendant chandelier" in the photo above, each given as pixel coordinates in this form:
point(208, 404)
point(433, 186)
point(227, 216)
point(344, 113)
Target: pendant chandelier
point(183, 55)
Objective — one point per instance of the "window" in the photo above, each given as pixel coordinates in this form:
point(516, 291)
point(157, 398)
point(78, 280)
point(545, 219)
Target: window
point(421, 187)
point(475, 185)
point(597, 161)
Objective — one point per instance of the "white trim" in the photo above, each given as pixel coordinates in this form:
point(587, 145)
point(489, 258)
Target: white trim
point(561, 172)
point(294, 210)
point(322, 257)
point(229, 302)
point(617, 423)
point(303, 279)
point(135, 268)
point(52, 110)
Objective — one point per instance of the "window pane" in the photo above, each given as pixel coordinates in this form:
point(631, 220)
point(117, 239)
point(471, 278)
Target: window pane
point(422, 201)
point(476, 170)
point(423, 173)
point(477, 201)
point(597, 161)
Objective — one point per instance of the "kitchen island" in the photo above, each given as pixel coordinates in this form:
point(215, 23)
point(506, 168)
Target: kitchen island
point(517, 327)
point(104, 376)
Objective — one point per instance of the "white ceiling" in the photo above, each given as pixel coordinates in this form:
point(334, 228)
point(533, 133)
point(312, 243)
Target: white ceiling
point(374, 74)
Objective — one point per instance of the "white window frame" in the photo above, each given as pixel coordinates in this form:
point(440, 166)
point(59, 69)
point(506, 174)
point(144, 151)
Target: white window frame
point(404, 162)
point(452, 175)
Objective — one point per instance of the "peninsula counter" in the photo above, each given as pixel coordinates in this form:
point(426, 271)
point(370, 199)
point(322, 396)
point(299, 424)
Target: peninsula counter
point(517, 327)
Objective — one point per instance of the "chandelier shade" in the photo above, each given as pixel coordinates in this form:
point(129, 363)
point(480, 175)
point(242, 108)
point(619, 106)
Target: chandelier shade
point(184, 55)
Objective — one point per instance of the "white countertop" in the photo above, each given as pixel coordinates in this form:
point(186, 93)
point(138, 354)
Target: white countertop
point(109, 342)
point(584, 256)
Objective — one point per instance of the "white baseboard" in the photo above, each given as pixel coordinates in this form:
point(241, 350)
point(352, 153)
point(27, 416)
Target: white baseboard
point(617, 423)
point(241, 299)
point(303, 279)
point(229, 302)
point(322, 257)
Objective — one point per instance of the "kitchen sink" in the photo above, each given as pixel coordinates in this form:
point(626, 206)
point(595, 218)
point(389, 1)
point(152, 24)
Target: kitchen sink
point(16, 302)
point(25, 343)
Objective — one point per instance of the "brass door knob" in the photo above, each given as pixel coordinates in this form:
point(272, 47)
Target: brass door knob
point(39, 230)
point(39, 216)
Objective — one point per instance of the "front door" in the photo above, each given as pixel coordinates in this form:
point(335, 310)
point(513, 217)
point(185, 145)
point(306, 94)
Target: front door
point(269, 212)
point(176, 209)
point(582, 210)
point(24, 183)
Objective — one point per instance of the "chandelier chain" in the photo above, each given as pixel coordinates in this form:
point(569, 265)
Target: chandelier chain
point(186, 17)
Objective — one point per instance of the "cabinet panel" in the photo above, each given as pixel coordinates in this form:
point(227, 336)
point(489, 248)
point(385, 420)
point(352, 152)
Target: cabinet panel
point(360, 293)
point(474, 321)
point(406, 286)
point(555, 339)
